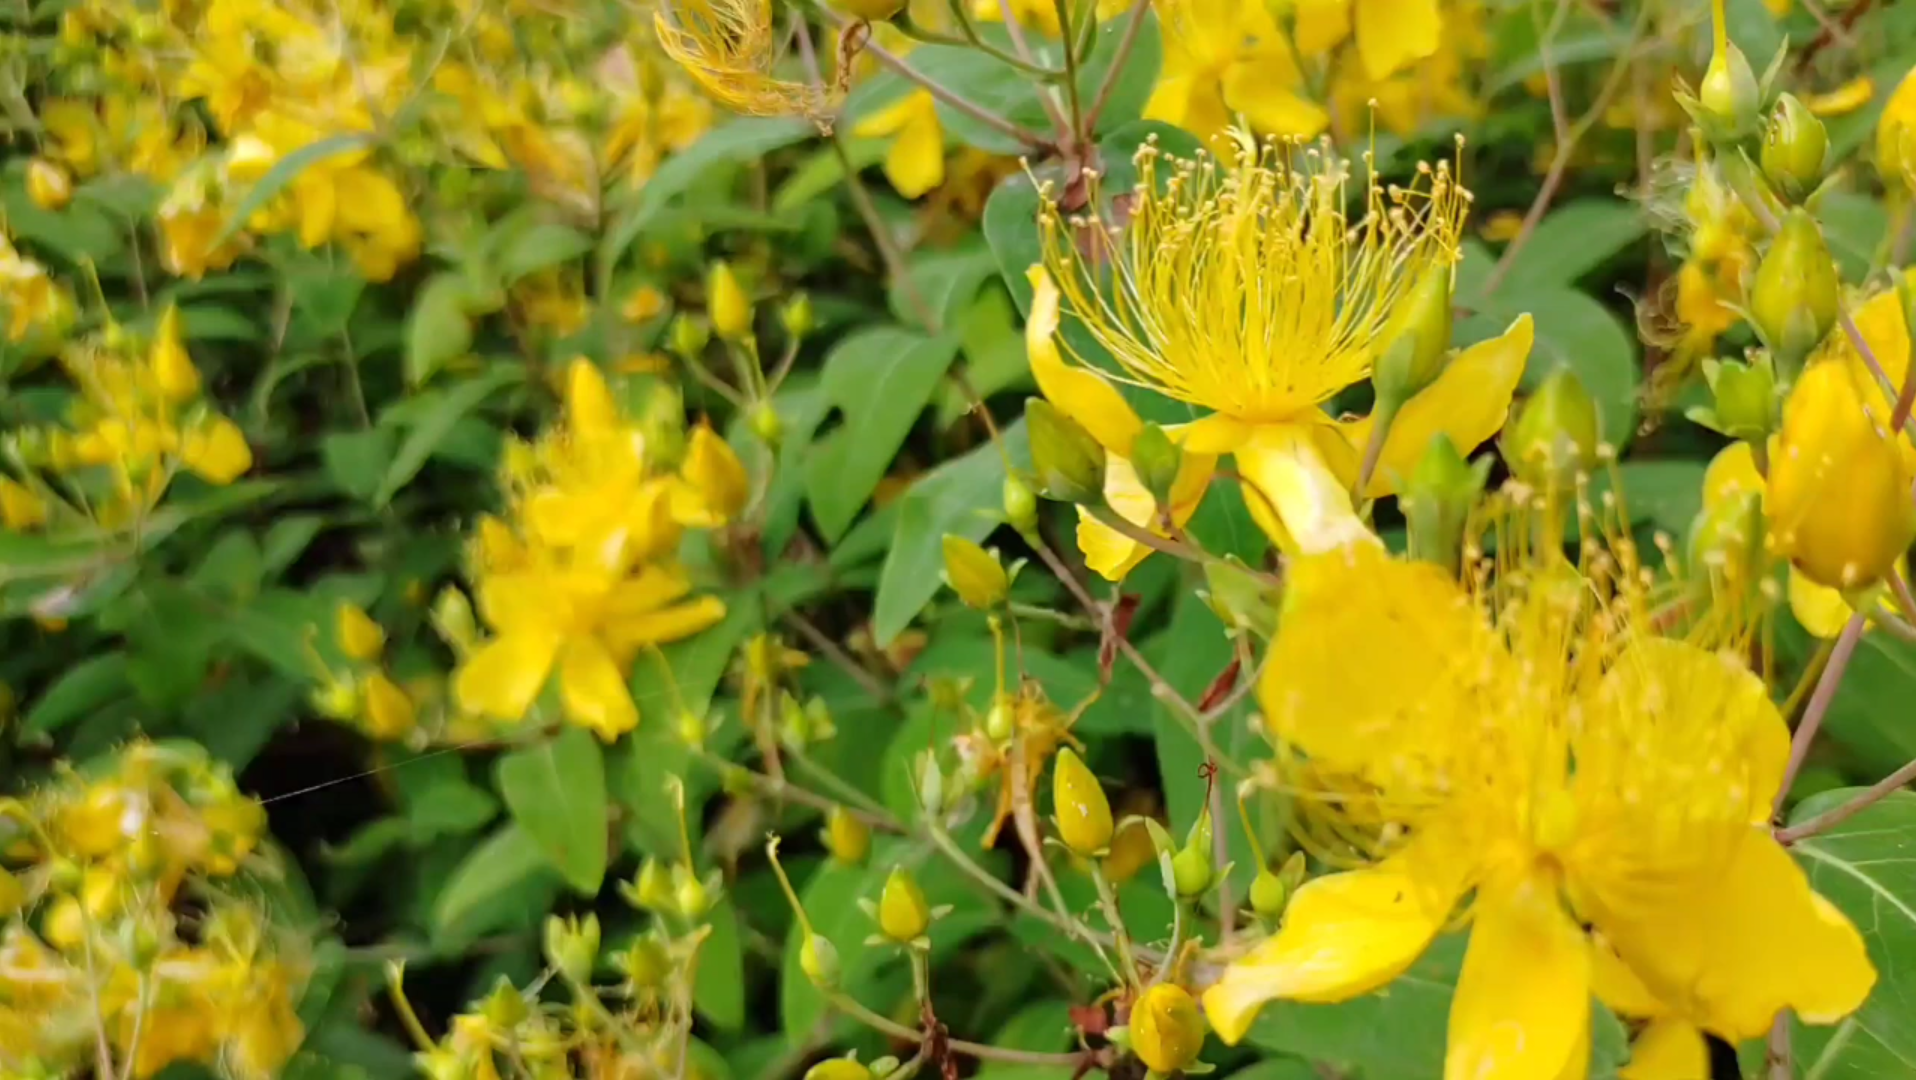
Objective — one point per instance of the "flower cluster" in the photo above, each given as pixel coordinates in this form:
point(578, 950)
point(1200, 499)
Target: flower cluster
point(124, 940)
point(580, 574)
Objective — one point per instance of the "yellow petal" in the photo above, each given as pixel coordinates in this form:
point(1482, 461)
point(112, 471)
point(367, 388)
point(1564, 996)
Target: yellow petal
point(216, 451)
point(1732, 474)
point(1319, 691)
point(1322, 25)
point(1392, 33)
point(1110, 552)
point(1846, 98)
point(1467, 402)
point(1821, 609)
point(593, 690)
point(1293, 495)
point(1523, 999)
point(666, 624)
point(1080, 393)
point(1343, 935)
point(1745, 939)
point(1882, 326)
point(915, 163)
point(1268, 102)
point(1668, 1049)
point(505, 675)
point(588, 400)
point(715, 485)
point(1617, 986)
point(890, 119)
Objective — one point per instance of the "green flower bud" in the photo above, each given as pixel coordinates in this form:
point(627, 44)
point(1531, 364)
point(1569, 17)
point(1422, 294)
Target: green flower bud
point(504, 1008)
point(766, 424)
point(1192, 868)
point(1745, 398)
point(1437, 499)
point(1794, 298)
point(1069, 462)
point(839, 1069)
point(1000, 719)
point(1268, 895)
point(1795, 144)
point(572, 945)
point(1156, 459)
point(689, 336)
point(691, 729)
point(1729, 95)
point(1021, 506)
point(818, 959)
point(1241, 599)
point(974, 574)
point(689, 895)
point(452, 619)
point(645, 963)
point(652, 889)
point(796, 317)
point(1417, 339)
point(1555, 436)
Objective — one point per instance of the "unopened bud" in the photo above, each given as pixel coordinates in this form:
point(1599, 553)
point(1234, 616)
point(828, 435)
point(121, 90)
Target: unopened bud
point(974, 574)
point(691, 728)
point(796, 317)
point(844, 1068)
point(1241, 599)
point(1793, 300)
point(1156, 460)
point(1001, 719)
point(645, 963)
point(689, 337)
point(1794, 146)
point(572, 945)
point(903, 915)
point(652, 889)
point(1416, 340)
point(504, 1008)
point(1839, 502)
point(1192, 867)
point(766, 424)
point(818, 959)
point(1021, 506)
point(847, 838)
point(1078, 804)
point(390, 713)
point(1268, 895)
point(1167, 1031)
point(689, 894)
point(1437, 499)
point(453, 621)
point(1729, 95)
point(1896, 137)
point(1069, 462)
point(726, 303)
point(48, 185)
point(1555, 436)
point(359, 637)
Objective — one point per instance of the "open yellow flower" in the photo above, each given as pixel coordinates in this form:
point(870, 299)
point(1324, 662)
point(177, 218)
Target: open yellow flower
point(1589, 781)
point(579, 578)
point(1241, 287)
point(1390, 33)
point(1223, 58)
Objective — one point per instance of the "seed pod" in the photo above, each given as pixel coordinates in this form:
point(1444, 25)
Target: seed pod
point(1729, 95)
point(1192, 868)
point(1437, 500)
point(1079, 806)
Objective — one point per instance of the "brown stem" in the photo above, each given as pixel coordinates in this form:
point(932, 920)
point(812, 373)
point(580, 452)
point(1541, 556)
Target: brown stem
point(1829, 819)
point(845, 662)
point(1103, 96)
point(1819, 706)
point(945, 94)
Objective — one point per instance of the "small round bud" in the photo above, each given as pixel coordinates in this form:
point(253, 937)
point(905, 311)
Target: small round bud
point(1191, 868)
point(1794, 298)
point(1729, 94)
point(1268, 894)
point(1001, 719)
point(725, 301)
point(974, 574)
point(1417, 338)
point(689, 336)
point(1079, 806)
point(839, 1069)
point(645, 963)
point(1021, 506)
point(903, 915)
point(796, 317)
point(766, 424)
point(847, 838)
point(1795, 144)
point(818, 959)
point(1167, 1031)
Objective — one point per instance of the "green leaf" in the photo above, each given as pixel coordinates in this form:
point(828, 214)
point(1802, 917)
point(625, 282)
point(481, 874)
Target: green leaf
point(1575, 239)
point(1868, 715)
point(718, 989)
point(284, 172)
point(556, 793)
point(739, 140)
point(994, 350)
point(84, 687)
point(356, 460)
point(436, 423)
point(881, 379)
point(497, 883)
point(438, 798)
point(1668, 494)
point(1866, 866)
point(544, 245)
point(822, 171)
point(962, 496)
point(438, 329)
point(286, 539)
point(1045, 1026)
point(947, 280)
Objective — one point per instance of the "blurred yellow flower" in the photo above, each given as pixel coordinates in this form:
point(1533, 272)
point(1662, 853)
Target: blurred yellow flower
point(1588, 781)
point(1390, 33)
point(1438, 86)
point(915, 163)
point(1896, 135)
point(1247, 291)
point(578, 578)
point(1223, 59)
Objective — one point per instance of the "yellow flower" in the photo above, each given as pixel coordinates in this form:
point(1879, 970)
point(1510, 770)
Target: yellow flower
point(915, 163)
point(1436, 86)
point(359, 637)
point(577, 582)
point(1223, 58)
point(1390, 33)
point(1541, 747)
point(730, 47)
point(1247, 292)
point(1896, 135)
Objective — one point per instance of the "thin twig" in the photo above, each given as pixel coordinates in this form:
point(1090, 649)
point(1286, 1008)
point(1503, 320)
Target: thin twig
point(845, 662)
point(1779, 1049)
point(1016, 33)
point(851, 1007)
point(945, 94)
point(1829, 819)
point(1103, 95)
point(1819, 706)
